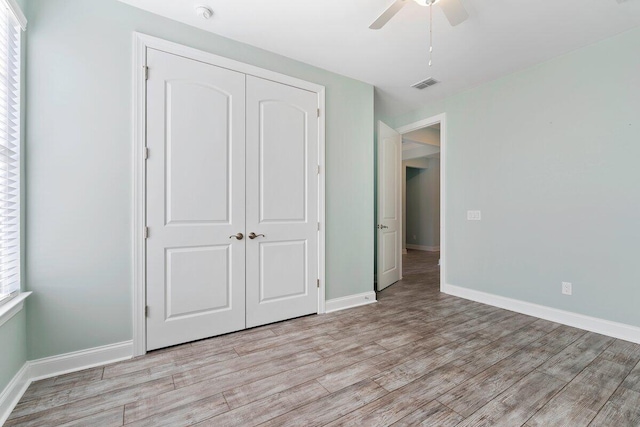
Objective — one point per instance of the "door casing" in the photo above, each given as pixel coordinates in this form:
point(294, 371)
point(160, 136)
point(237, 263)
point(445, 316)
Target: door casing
point(141, 43)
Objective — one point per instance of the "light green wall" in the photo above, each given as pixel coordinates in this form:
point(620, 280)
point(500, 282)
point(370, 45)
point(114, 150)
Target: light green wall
point(79, 168)
point(14, 347)
point(550, 157)
point(423, 205)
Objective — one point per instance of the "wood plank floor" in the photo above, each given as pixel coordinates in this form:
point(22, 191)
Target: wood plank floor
point(417, 357)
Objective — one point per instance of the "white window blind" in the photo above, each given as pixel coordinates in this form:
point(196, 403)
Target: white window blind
point(10, 32)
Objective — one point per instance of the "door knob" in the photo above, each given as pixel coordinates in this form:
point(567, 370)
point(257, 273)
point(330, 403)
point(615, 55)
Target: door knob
point(382, 227)
point(253, 235)
point(238, 236)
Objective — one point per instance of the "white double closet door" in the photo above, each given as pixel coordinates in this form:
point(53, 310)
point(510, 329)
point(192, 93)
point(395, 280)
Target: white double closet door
point(229, 154)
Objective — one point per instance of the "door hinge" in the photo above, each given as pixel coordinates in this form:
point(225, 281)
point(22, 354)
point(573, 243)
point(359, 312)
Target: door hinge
point(318, 226)
point(145, 232)
point(146, 72)
point(318, 169)
point(146, 311)
point(318, 282)
point(146, 153)
point(318, 112)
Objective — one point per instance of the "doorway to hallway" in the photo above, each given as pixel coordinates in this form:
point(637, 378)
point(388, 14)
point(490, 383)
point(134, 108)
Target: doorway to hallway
point(420, 145)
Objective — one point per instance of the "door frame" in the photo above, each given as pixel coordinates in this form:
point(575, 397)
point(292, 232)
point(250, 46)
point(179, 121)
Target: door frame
point(430, 121)
point(141, 42)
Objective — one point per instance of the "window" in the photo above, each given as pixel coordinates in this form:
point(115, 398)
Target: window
point(12, 21)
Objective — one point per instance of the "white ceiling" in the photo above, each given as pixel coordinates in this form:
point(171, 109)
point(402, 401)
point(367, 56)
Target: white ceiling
point(500, 37)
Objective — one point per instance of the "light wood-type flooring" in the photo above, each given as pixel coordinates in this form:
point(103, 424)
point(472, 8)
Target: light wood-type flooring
point(417, 357)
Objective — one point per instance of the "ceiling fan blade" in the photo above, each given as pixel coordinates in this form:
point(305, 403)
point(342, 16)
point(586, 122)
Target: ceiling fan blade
point(387, 14)
point(454, 11)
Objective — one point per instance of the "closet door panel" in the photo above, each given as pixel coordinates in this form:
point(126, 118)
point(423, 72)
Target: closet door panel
point(283, 166)
point(198, 153)
point(282, 207)
point(195, 200)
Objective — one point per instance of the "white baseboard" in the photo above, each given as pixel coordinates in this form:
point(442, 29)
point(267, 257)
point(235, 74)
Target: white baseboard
point(350, 301)
point(12, 393)
point(424, 248)
point(593, 324)
point(79, 360)
point(58, 365)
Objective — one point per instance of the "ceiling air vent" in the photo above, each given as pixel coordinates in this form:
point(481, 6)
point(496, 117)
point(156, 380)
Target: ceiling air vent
point(425, 83)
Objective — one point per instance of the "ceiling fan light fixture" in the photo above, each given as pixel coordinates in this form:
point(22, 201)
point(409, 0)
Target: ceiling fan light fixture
point(426, 2)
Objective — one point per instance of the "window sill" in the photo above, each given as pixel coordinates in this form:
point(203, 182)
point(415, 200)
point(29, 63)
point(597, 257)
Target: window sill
point(12, 307)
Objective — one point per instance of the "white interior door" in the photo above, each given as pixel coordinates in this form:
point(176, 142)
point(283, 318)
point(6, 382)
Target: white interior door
point(282, 201)
point(389, 257)
point(195, 200)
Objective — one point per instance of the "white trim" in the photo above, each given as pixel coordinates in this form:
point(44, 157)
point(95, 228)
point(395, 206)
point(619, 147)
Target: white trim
point(321, 203)
point(351, 301)
point(151, 42)
point(423, 248)
point(429, 121)
point(593, 324)
point(17, 13)
point(13, 392)
point(12, 307)
point(79, 360)
point(142, 42)
point(139, 196)
point(59, 365)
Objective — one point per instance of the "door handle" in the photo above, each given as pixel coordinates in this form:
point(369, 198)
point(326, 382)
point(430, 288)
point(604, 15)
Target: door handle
point(382, 227)
point(253, 235)
point(238, 236)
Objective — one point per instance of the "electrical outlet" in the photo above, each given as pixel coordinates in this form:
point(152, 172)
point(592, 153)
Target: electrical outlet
point(566, 288)
point(474, 215)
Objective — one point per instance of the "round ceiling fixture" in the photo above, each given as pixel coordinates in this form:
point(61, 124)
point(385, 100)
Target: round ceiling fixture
point(204, 12)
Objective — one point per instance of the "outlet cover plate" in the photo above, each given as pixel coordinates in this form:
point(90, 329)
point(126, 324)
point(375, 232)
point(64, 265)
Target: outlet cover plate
point(474, 215)
point(566, 288)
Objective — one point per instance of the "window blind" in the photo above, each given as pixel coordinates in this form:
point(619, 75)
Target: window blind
point(10, 32)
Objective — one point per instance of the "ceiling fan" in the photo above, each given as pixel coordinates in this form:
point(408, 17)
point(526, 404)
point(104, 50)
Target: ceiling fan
point(452, 9)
